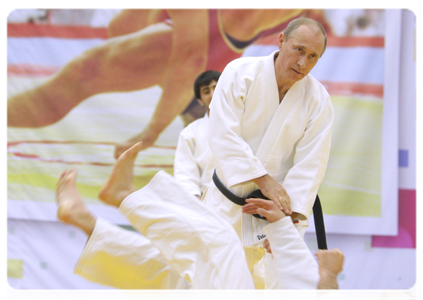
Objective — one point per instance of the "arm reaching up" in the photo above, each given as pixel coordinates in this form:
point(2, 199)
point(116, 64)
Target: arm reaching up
point(330, 265)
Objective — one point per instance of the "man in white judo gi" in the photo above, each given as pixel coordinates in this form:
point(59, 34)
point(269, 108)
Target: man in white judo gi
point(270, 124)
point(182, 243)
point(194, 164)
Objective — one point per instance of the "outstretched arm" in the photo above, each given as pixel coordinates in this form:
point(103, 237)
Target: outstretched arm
point(330, 265)
point(187, 59)
point(296, 267)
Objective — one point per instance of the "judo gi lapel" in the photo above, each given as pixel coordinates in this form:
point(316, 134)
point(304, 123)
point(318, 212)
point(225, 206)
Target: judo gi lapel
point(282, 110)
point(252, 232)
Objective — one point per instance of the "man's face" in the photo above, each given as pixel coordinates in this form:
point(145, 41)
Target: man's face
point(206, 93)
point(390, 295)
point(300, 53)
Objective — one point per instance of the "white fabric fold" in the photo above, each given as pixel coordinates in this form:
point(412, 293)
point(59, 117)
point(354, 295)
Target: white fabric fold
point(295, 265)
point(194, 240)
point(123, 259)
point(194, 163)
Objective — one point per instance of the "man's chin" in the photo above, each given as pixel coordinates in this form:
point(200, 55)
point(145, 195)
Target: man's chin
point(297, 76)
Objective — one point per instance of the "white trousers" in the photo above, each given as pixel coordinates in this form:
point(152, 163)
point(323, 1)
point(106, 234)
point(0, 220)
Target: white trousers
point(124, 259)
point(182, 244)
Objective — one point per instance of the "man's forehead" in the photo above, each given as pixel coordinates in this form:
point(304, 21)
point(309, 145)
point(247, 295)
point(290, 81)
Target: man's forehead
point(308, 37)
point(207, 86)
point(307, 28)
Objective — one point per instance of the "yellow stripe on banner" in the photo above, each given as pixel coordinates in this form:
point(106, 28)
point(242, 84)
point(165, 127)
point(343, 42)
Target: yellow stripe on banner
point(15, 268)
point(417, 44)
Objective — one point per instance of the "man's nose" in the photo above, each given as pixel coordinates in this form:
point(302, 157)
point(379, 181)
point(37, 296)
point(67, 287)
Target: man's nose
point(302, 62)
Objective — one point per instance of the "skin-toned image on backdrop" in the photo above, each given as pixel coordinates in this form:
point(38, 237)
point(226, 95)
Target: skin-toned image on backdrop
point(86, 85)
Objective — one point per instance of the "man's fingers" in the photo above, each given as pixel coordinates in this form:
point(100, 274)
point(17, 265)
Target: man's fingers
point(262, 212)
point(284, 204)
point(249, 210)
point(254, 209)
point(251, 206)
point(277, 202)
point(287, 208)
point(261, 202)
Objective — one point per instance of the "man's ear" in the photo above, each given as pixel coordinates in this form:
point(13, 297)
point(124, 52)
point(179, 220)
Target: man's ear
point(281, 40)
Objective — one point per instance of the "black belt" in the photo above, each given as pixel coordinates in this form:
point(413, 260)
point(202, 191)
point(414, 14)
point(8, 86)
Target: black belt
point(317, 209)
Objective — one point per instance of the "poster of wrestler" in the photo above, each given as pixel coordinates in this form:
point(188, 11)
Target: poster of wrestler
point(85, 85)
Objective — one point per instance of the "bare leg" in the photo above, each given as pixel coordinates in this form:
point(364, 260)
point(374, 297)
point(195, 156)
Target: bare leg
point(127, 63)
point(119, 184)
point(71, 209)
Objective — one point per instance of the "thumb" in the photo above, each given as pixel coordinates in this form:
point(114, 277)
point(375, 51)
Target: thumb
point(262, 212)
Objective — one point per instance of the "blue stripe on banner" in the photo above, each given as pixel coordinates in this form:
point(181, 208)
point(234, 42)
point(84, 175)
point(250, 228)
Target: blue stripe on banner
point(364, 64)
point(403, 159)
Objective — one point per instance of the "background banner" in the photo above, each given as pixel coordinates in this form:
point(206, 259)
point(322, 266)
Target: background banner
point(81, 82)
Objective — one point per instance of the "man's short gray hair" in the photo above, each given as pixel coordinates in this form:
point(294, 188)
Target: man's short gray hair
point(294, 24)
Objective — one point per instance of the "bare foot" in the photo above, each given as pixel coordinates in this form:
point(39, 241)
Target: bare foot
point(71, 209)
point(119, 184)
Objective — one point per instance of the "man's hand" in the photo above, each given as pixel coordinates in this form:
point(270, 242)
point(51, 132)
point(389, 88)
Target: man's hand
point(330, 260)
point(275, 192)
point(330, 265)
point(263, 207)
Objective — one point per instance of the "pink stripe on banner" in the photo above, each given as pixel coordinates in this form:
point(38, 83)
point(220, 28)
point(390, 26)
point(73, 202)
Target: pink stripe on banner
point(31, 70)
point(406, 237)
point(54, 160)
point(56, 31)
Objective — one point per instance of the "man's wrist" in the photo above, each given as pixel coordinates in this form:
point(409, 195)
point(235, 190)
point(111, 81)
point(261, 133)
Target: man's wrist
point(259, 180)
point(328, 280)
